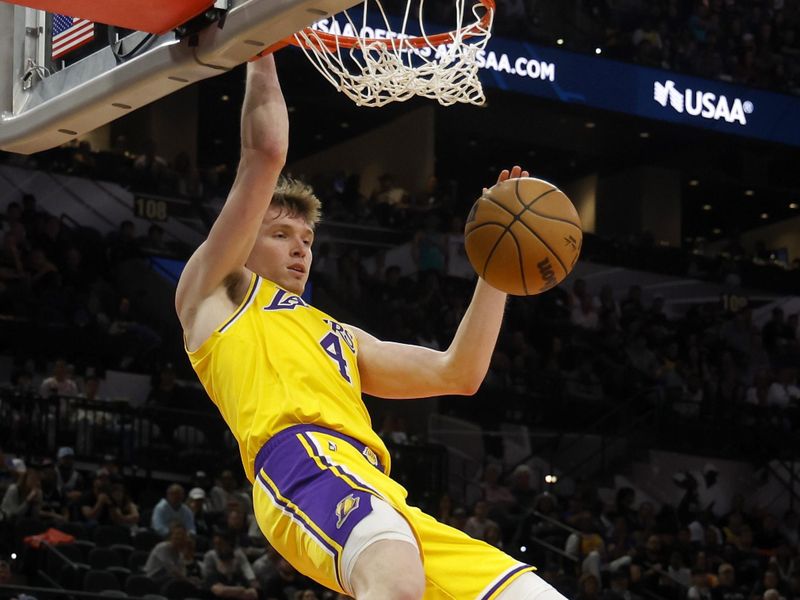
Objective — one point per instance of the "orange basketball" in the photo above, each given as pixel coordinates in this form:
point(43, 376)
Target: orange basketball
point(523, 236)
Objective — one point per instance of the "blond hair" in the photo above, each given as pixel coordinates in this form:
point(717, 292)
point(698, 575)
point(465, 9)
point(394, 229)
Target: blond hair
point(297, 199)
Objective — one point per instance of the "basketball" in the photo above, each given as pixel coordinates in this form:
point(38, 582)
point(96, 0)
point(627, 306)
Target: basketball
point(523, 236)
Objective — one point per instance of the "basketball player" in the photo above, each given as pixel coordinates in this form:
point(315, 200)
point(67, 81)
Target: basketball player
point(288, 379)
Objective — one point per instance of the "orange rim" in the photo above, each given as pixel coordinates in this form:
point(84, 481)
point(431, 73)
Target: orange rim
point(332, 42)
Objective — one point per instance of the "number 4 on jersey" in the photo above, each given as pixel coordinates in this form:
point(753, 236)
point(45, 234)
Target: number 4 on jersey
point(333, 348)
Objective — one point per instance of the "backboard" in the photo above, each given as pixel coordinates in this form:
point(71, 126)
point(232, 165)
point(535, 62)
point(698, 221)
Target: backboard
point(45, 102)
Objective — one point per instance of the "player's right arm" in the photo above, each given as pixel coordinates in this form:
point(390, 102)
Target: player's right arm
point(265, 133)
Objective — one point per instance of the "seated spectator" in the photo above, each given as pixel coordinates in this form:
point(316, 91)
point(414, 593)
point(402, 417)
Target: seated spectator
point(266, 566)
point(169, 559)
point(479, 522)
point(24, 498)
point(784, 392)
point(123, 510)
point(237, 526)
point(68, 480)
point(228, 573)
point(770, 581)
point(59, 383)
point(700, 588)
point(197, 504)
point(497, 496)
point(584, 314)
point(619, 584)
point(122, 245)
point(286, 583)
point(225, 492)
point(95, 504)
point(170, 509)
point(7, 473)
point(728, 589)
point(54, 506)
point(154, 242)
point(588, 587)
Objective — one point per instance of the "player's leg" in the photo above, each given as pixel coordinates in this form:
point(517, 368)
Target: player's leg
point(389, 570)
point(381, 560)
point(530, 587)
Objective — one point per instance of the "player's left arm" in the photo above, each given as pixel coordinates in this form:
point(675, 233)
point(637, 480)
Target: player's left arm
point(396, 371)
point(393, 370)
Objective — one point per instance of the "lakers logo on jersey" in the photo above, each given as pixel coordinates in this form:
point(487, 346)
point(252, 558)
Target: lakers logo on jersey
point(283, 300)
point(371, 456)
point(346, 506)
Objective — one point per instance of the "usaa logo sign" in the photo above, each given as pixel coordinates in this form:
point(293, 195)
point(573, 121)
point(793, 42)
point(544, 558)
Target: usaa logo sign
point(706, 105)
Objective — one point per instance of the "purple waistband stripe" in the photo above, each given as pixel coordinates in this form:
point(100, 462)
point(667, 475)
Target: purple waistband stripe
point(504, 579)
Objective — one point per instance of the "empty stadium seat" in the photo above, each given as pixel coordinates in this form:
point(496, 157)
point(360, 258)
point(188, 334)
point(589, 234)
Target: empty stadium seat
point(106, 535)
point(102, 558)
point(137, 560)
point(98, 581)
point(140, 585)
point(146, 540)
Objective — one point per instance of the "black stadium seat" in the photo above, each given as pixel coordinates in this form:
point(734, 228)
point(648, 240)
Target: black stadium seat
point(124, 551)
point(63, 554)
point(106, 535)
point(139, 585)
point(78, 530)
point(102, 558)
point(97, 581)
point(146, 540)
point(137, 560)
point(71, 576)
point(176, 589)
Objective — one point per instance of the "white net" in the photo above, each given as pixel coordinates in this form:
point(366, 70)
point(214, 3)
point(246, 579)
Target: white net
point(373, 66)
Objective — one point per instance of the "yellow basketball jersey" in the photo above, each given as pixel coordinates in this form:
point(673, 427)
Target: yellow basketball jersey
point(279, 362)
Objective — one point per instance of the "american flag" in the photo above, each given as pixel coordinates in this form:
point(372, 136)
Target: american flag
point(70, 33)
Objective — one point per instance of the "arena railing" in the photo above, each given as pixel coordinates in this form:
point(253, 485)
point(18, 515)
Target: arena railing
point(141, 437)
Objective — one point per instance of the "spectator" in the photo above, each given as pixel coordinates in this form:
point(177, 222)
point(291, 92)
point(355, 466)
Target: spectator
point(54, 506)
point(584, 314)
point(588, 587)
point(170, 509)
point(237, 526)
point(60, 383)
point(784, 391)
point(154, 242)
point(228, 573)
point(700, 588)
point(429, 247)
point(123, 246)
point(226, 493)
point(169, 559)
point(497, 496)
point(197, 504)
point(12, 217)
point(477, 524)
point(266, 567)
point(95, 504)
point(24, 498)
point(619, 587)
point(122, 509)
point(68, 480)
point(286, 583)
point(727, 588)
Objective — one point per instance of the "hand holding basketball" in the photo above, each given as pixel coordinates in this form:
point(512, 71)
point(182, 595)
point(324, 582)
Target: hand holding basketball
point(523, 236)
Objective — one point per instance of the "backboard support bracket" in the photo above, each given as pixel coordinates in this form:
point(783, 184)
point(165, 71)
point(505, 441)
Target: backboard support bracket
point(98, 89)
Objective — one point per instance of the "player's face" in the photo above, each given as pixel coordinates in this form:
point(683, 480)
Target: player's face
point(282, 252)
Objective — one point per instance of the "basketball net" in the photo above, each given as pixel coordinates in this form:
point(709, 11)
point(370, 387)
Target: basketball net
point(394, 66)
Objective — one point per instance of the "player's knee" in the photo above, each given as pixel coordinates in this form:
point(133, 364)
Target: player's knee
point(389, 570)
